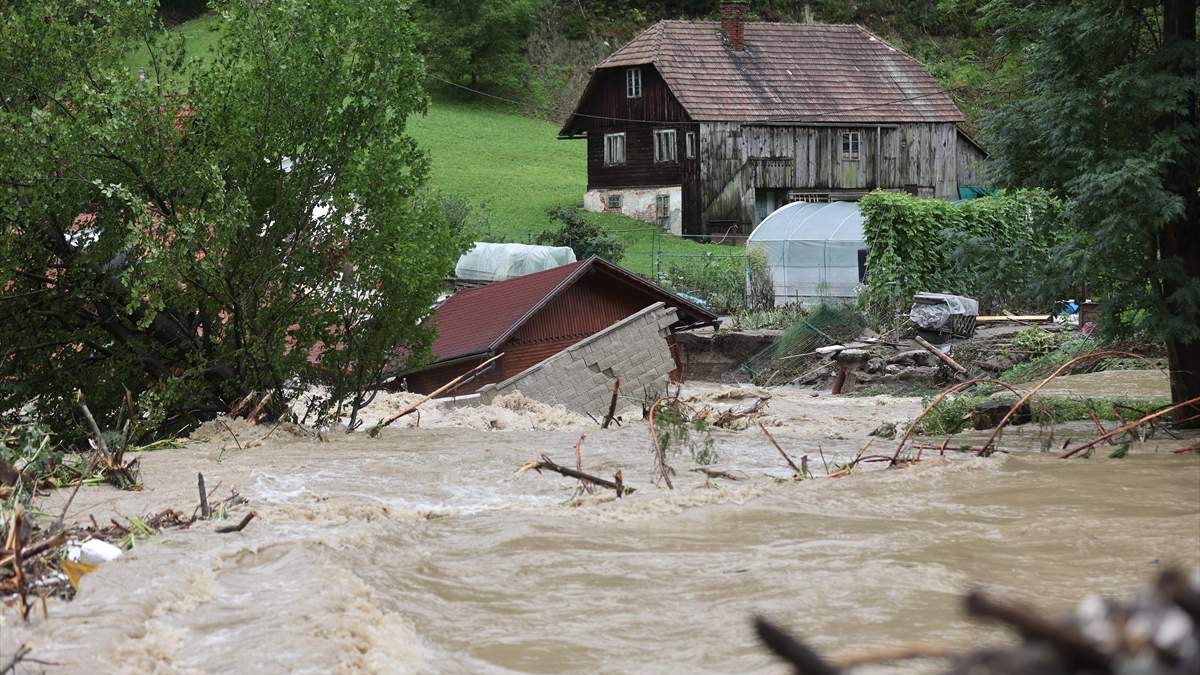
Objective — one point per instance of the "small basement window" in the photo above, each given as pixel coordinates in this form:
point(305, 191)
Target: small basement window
point(665, 149)
point(662, 210)
point(614, 149)
point(808, 197)
point(851, 142)
point(690, 141)
point(633, 83)
point(613, 201)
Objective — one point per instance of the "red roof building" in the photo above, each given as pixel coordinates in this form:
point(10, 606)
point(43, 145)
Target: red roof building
point(533, 317)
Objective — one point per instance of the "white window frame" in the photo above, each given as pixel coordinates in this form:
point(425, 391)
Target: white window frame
point(614, 201)
point(614, 149)
point(851, 145)
point(662, 209)
point(633, 83)
point(666, 145)
point(690, 142)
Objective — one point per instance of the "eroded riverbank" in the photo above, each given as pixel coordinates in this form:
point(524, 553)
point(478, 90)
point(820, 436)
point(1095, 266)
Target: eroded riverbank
point(420, 551)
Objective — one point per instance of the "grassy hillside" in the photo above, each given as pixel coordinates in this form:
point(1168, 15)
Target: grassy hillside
point(510, 167)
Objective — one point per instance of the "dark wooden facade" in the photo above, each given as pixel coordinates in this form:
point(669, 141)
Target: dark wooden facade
point(769, 120)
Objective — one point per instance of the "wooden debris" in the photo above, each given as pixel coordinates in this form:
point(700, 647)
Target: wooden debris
point(545, 463)
point(942, 356)
point(798, 473)
point(612, 405)
point(715, 473)
point(239, 527)
point(205, 512)
point(1128, 427)
point(374, 431)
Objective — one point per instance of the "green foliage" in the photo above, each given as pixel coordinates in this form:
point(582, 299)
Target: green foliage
point(1036, 340)
point(994, 249)
point(678, 429)
point(478, 42)
point(825, 324)
point(1109, 120)
point(773, 317)
point(585, 237)
point(197, 235)
point(718, 280)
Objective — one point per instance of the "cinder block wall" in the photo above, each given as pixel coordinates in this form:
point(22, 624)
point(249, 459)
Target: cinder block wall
point(580, 377)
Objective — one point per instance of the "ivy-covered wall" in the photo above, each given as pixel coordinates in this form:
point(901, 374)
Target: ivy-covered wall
point(998, 250)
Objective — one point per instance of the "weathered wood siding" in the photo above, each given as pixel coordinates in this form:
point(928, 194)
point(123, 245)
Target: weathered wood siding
point(736, 159)
point(971, 161)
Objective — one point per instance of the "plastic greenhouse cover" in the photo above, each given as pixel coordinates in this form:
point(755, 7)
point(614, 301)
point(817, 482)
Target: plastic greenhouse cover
point(497, 262)
point(933, 310)
point(832, 221)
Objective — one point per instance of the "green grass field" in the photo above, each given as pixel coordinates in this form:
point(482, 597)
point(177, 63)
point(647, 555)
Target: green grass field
point(510, 166)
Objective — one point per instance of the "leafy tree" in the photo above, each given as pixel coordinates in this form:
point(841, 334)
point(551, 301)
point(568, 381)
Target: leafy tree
point(478, 41)
point(586, 238)
point(245, 222)
point(1110, 121)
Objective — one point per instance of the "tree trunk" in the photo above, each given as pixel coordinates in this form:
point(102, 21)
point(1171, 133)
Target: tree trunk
point(1181, 238)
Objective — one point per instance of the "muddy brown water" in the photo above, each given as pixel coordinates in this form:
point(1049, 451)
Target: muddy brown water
point(420, 551)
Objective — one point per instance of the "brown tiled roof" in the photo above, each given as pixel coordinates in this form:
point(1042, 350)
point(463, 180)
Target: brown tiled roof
point(479, 320)
point(788, 73)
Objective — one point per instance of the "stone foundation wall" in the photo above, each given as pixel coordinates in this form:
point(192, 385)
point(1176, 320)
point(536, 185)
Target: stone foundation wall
point(580, 378)
point(640, 203)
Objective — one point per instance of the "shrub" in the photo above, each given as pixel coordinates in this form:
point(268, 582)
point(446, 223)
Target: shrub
point(584, 237)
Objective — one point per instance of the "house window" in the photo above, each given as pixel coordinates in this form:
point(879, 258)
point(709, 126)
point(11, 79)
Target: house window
point(690, 140)
point(633, 83)
point(614, 149)
point(613, 201)
point(850, 145)
point(662, 210)
point(808, 197)
point(665, 145)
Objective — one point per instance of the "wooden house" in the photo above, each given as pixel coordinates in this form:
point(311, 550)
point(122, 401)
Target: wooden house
point(533, 317)
point(703, 126)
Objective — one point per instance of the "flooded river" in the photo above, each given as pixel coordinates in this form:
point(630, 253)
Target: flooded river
point(421, 551)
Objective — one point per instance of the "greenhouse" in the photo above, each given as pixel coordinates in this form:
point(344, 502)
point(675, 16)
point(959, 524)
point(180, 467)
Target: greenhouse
point(814, 250)
point(496, 262)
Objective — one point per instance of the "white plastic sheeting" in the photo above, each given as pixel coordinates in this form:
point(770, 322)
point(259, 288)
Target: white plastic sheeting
point(813, 250)
point(497, 262)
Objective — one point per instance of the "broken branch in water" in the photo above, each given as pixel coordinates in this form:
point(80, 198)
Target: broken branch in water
point(952, 389)
point(1061, 369)
point(1069, 642)
point(891, 654)
point(587, 487)
point(715, 473)
point(239, 527)
point(612, 405)
point(374, 431)
point(804, 660)
point(798, 473)
point(660, 456)
point(1128, 427)
point(205, 512)
point(544, 462)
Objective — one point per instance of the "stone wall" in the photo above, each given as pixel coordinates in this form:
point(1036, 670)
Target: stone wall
point(640, 203)
point(580, 377)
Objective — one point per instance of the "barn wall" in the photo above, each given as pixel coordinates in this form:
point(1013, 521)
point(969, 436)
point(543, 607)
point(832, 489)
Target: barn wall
point(738, 159)
point(971, 162)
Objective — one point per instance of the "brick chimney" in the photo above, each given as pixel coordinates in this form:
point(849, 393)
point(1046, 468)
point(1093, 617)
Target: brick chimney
point(733, 23)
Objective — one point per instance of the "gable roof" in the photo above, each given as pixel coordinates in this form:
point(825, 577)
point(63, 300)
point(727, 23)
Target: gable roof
point(479, 320)
point(788, 72)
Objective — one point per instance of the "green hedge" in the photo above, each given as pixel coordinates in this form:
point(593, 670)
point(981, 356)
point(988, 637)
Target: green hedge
point(994, 249)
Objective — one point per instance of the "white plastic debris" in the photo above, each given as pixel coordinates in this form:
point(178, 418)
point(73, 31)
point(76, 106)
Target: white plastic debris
point(93, 552)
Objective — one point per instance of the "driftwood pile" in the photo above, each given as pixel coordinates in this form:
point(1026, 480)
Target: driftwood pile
point(1157, 632)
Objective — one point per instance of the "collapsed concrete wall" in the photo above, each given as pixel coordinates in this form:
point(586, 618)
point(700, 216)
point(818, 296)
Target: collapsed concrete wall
point(580, 378)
